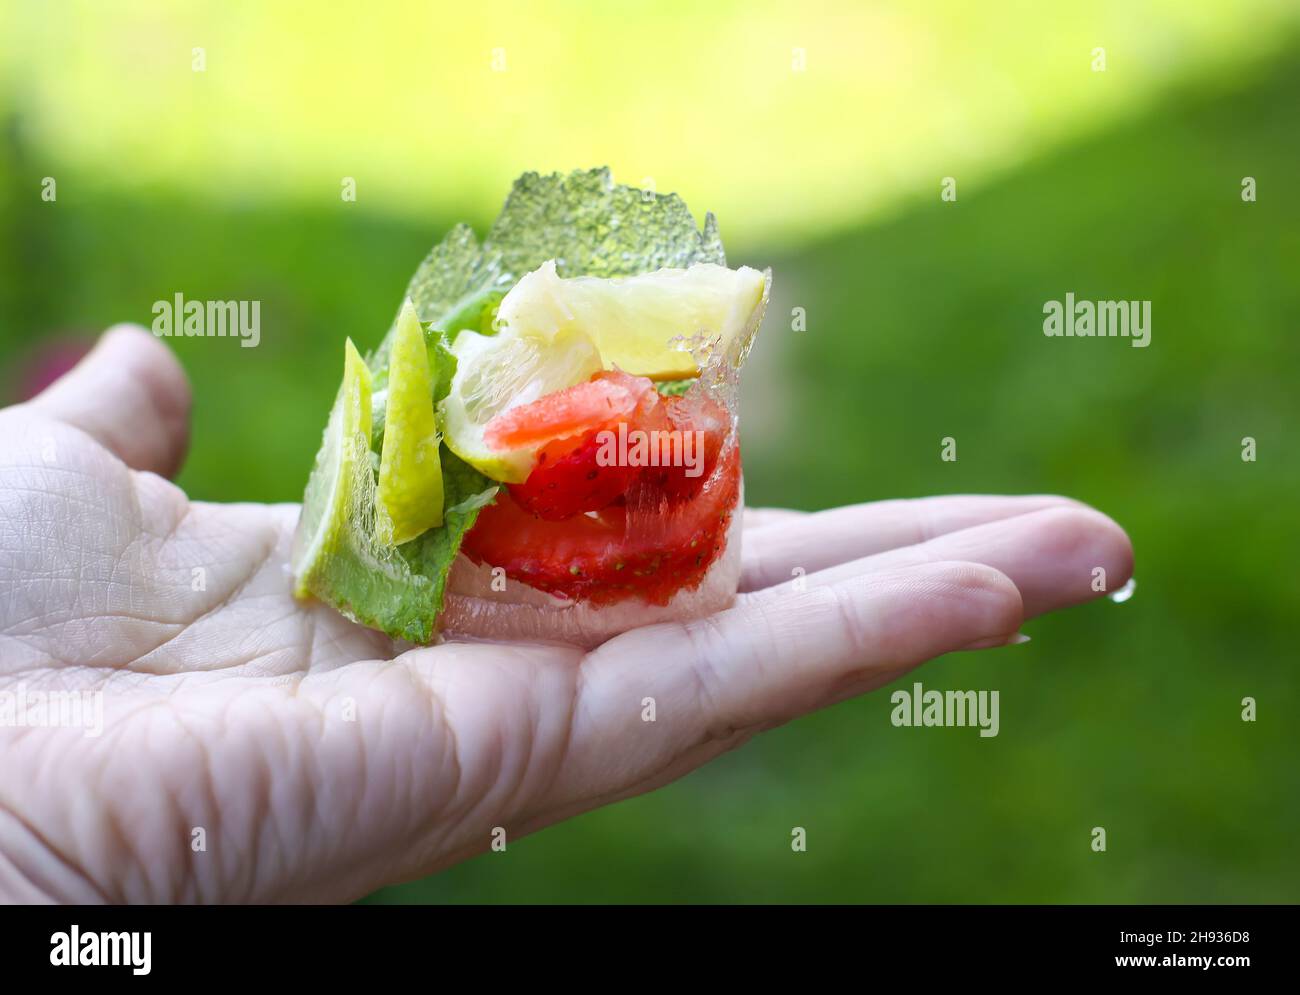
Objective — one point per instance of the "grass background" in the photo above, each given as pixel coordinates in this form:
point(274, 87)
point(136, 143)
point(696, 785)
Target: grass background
point(922, 322)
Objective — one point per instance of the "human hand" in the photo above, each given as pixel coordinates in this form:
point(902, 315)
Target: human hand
point(321, 760)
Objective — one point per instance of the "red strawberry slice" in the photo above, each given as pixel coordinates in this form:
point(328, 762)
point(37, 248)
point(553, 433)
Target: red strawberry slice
point(570, 477)
point(577, 473)
point(646, 546)
point(700, 425)
point(606, 397)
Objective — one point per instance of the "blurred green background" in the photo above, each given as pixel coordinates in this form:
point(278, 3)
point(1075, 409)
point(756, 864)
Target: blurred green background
point(820, 134)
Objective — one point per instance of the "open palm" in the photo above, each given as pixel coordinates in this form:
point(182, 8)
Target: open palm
point(257, 748)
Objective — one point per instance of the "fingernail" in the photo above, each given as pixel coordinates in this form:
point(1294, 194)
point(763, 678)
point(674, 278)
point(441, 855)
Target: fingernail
point(1015, 639)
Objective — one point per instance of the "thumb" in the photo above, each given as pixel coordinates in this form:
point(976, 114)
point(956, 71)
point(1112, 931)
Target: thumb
point(130, 394)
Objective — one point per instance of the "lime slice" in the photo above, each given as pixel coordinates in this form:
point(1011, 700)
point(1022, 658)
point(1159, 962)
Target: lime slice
point(410, 474)
point(657, 325)
point(497, 372)
point(341, 473)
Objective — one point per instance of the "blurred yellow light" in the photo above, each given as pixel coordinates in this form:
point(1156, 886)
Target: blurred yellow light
point(782, 118)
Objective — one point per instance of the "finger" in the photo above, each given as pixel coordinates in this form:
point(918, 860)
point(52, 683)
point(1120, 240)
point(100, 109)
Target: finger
point(1056, 557)
point(817, 541)
point(775, 656)
point(131, 395)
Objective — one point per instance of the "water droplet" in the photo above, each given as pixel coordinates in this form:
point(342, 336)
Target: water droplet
point(1125, 592)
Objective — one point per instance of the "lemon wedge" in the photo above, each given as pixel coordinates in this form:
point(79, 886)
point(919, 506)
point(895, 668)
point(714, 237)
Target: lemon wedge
point(655, 325)
point(497, 372)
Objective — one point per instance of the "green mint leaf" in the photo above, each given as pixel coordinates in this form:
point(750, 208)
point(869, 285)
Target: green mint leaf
point(430, 555)
point(675, 388)
point(443, 362)
point(476, 501)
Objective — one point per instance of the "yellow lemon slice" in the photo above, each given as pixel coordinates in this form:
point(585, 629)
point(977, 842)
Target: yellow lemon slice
point(654, 325)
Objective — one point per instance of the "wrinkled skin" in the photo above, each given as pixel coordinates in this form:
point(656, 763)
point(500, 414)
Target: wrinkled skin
point(320, 760)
